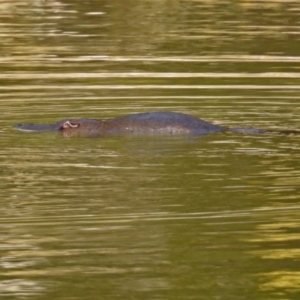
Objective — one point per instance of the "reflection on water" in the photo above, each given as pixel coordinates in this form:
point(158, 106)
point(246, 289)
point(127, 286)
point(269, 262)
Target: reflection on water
point(140, 214)
point(202, 218)
point(283, 231)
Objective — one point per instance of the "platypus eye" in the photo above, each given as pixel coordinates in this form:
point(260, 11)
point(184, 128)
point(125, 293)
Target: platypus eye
point(69, 124)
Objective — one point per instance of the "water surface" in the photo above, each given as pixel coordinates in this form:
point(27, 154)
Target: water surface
point(215, 217)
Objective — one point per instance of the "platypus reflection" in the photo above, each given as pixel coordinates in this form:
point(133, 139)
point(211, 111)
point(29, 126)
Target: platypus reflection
point(152, 123)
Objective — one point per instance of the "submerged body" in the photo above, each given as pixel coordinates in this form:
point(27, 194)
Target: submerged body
point(152, 123)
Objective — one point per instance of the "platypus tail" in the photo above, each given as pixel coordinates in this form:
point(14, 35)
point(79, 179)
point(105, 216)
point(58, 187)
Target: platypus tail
point(247, 130)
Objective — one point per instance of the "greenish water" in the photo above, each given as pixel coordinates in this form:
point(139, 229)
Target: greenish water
point(215, 217)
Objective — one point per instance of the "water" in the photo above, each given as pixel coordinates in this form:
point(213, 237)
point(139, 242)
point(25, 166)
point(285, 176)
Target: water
point(215, 217)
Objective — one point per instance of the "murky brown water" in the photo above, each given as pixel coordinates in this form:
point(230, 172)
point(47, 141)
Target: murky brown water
point(215, 217)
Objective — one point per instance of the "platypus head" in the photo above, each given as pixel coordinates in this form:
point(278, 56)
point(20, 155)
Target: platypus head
point(69, 127)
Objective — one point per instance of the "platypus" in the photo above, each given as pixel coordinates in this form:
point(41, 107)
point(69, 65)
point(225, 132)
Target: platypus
point(150, 123)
